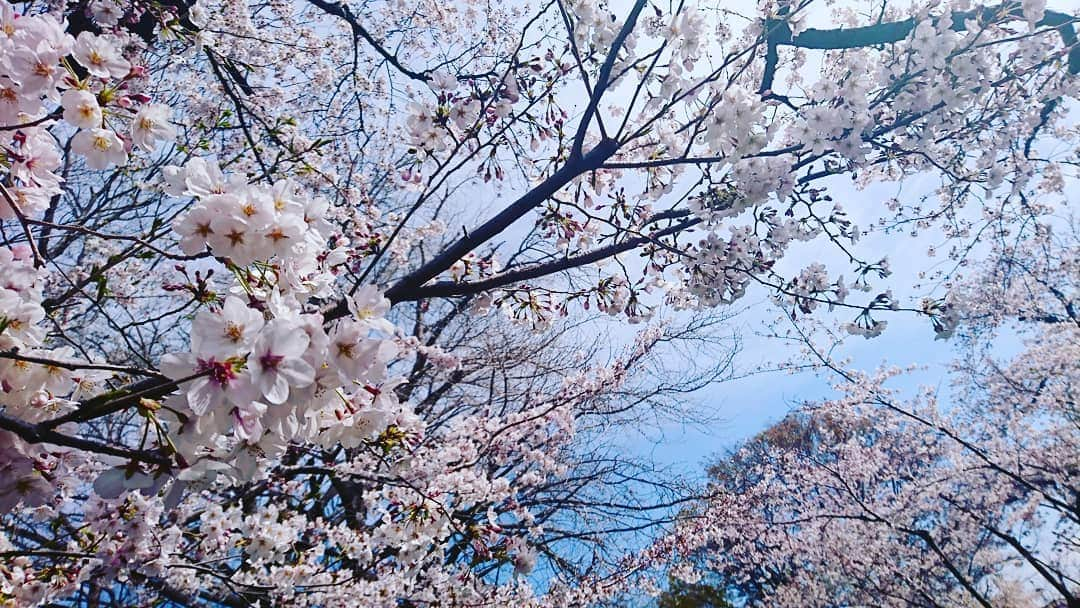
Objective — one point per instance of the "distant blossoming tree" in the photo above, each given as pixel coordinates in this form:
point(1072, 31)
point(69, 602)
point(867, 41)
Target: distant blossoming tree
point(874, 498)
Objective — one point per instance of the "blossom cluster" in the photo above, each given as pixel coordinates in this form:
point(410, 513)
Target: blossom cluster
point(31, 390)
point(260, 377)
point(45, 74)
point(456, 116)
point(35, 385)
point(274, 434)
point(264, 367)
point(244, 223)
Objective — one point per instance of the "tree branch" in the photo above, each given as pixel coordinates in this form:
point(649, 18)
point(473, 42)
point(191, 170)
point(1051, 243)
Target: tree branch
point(445, 289)
point(488, 230)
point(35, 433)
point(779, 34)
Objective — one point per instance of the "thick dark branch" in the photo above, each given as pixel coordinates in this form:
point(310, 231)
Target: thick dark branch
point(772, 56)
point(14, 355)
point(886, 33)
point(604, 78)
point(34, 433)
point(959, 576)
point(779, 34)
point(112, 402)
point(446, 289)
point(1024, 552)
point(496, 225)
point(239, 105)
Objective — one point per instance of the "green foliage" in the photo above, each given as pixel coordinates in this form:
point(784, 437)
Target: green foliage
point(697, 595)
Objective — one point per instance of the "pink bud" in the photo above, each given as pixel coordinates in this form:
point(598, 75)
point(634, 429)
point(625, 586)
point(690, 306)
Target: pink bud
point(39, 400)
point(128, 144)
point(141, 98)
point(21, 252)
point(137, 71)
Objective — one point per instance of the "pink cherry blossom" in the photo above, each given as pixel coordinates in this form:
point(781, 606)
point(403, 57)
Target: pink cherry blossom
point(276, 361)
point(81, 109)
point(100, 147)
point(100, 56)
point(152, 125)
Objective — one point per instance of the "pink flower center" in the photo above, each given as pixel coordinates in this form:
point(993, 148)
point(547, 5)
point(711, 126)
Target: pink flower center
point(270, 361)
point(221, 372)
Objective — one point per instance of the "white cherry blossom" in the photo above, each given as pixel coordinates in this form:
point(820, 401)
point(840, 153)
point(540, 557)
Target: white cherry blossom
point(101, 148)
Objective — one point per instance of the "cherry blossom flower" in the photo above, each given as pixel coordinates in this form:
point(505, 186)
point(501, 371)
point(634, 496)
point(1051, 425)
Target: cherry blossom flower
point(38, 160)
point(369, 307)
point(106, 12)
point(100, 56)
point(228, 332)
point(217, 381)
point(22, 483)
point(102, 148)
point(234, 238)
point(81, 109)
point(194, 229)
point(444, 81)
point(247, 421)
point(151, 125)
point(351, 353)
point(276, 361)
point(1034, 10)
